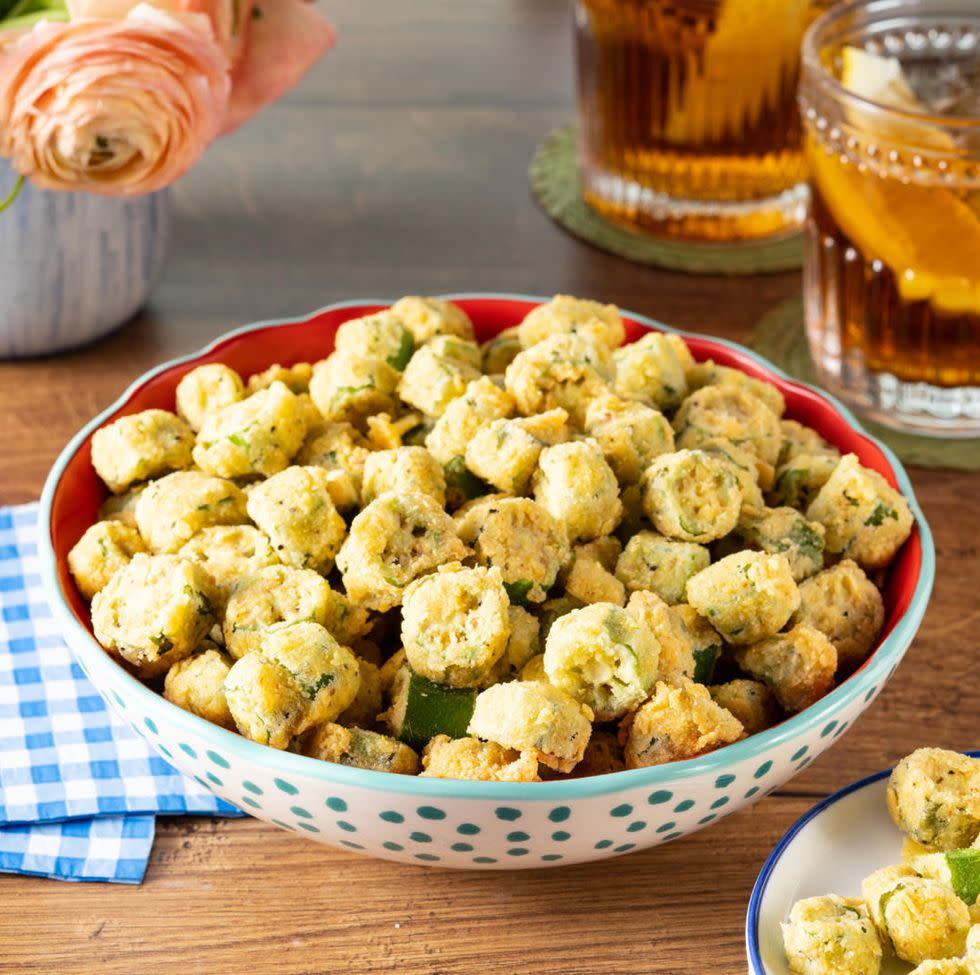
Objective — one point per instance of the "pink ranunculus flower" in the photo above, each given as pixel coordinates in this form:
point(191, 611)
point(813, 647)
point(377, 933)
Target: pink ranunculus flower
point(270, 44)
point(119, 107)
point(282, 40)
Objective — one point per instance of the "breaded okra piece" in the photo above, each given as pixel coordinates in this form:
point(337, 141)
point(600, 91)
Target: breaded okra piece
point(831, 935)
point(140, 446)
point(104, 549)
point(207, 389)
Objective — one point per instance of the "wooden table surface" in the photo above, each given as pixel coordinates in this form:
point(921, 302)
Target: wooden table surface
point(400, 167)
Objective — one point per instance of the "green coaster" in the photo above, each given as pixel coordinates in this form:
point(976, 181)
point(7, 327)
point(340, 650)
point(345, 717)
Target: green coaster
point(554, 180)
point(780, 337)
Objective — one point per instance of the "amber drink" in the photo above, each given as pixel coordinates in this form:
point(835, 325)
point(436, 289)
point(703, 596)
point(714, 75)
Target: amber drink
point(688, 122)
point(891, 107)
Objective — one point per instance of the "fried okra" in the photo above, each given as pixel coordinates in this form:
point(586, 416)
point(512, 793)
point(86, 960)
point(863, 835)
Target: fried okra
point(918, 917)
point(395, 539)
point(649, 370)
point(589, 578)
point(630, 435)
point(845, 605)
point(438, 373)
point(482, 761)
point(104, 549)
point(363, 711)
point(677, 722)
point(577, 487)
point(866, 519)
point(229, 554)
point(426, 318)
point(733, 414)
point(523, 643)
point(602, 657)
point(482, 402)
point(787, 532)
point(143, 445)
point(505, 453)
point(259, 435)
point(276, 594)
point(705, 641)
point(154, 612)
point(797, 666)
point(534, 716)
point(403, 470)
point(800, 440)
point(702, 374)
point(830, 935)
point(339, 450)
point(206, 389)
point(455, 624)
point(690, 496)
point(564, 314)
point(934, 797)
point(196, 684)
point(360, 748)
point(746, 597)
point(173, 509)
point(295, 511)
point(677, 663)
point(563, 372)
point(527, 545)
point(296, 377)
point(500, 351)
point(750, 701)
point(380, 336)
point(662, 565)
point(799, 480)
point(349, 386)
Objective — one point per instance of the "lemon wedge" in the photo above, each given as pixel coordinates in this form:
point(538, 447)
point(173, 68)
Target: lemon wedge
point(927, 235)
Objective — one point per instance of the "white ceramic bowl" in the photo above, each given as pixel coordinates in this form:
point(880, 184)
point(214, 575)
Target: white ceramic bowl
point(454, 823)
point(830, 850)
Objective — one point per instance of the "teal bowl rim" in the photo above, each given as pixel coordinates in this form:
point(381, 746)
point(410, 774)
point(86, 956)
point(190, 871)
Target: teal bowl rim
point(875, 673)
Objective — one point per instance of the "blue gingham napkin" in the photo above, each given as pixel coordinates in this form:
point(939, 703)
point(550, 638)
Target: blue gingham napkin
point(78, 787)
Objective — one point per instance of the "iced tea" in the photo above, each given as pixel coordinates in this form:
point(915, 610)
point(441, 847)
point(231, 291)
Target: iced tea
point(891, 100)
point(688, 119)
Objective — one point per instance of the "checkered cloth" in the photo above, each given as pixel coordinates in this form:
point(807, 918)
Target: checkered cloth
point(78, 787)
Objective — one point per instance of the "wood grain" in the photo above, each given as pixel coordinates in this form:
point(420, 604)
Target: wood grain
point(400, 167)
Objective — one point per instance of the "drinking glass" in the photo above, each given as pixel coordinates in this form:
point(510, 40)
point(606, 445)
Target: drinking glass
point(688, 121)
point(890, 99)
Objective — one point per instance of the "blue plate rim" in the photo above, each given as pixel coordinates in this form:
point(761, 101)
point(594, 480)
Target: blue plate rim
point(877, 672)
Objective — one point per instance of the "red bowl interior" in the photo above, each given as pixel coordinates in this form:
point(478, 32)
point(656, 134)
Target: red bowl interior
point(79, 491)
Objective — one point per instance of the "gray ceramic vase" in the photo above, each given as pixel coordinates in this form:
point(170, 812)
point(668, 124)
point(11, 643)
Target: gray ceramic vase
point(74, 266)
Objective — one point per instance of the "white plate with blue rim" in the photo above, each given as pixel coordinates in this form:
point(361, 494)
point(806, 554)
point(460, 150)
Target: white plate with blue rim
point(830, 850)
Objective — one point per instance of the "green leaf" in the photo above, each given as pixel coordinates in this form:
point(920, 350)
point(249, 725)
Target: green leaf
point(964, 871)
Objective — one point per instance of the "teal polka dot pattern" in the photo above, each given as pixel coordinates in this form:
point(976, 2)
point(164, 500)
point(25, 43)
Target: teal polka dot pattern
point(560, 835)
point(659, 797)
point(420, 837)
point(518, 836)
point(828, 728)
point(249, 801)
point(666, 827)
point(252, 787)
point(870, 694)
point(559, 814)
point(603, 844)
point(283, 786)
point(188, 749)
point(394, 847)
point(301, 812)
point(350, 844)
point(431, 857)
point(484, 860)
point(218, 760)
point(550, 857)
point(622, 810)
point(345, 826)
point(279, 822)
point(625, 848)
point(430, 812)
point(389, 815)
point(723, 781)
point(309, 827)
point(118, 700)
point(334, 803)
point(763, 770)
point(150, 724)
point(797, 755)
point(468, 829)
point(718, 803)
point(704, 820)
point(213, 778)
point(684, 805)
point(636, 826)
point(165, 751)
point(507, 813)
point(751, 792)
point(518, 851)
point(462, 847)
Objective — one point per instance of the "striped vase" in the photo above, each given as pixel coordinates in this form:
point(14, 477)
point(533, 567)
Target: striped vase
point(74, 266)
